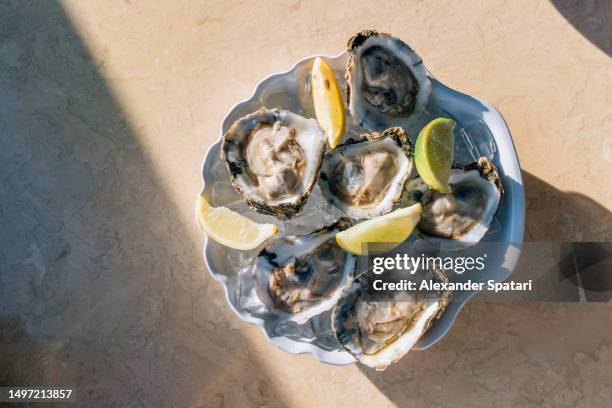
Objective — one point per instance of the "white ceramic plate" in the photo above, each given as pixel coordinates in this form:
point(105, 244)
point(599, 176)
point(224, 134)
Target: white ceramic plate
point(484, 130)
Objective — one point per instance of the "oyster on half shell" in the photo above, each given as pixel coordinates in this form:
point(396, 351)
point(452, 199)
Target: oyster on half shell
point(379, 329)
point(365, 178)
point(273, 157)
point(466, 213)
point(387, 82)
point(302, 276)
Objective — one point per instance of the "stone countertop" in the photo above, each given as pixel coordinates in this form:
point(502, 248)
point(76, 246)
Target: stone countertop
point(106, 111)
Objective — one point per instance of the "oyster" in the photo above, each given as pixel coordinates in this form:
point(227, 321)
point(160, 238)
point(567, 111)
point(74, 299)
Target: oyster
point(303, 276)
point(387, 82)
point(379, 329)
point(466, 213)
point(273, 157)
point(365, 178)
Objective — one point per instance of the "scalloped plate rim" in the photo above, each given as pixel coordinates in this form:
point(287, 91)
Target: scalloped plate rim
point(342, 357)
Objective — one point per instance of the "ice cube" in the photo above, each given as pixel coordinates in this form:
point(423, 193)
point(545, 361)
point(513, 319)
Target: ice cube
point(219, 170)
point(322, 331)
point(224, 193)
point(238, 260)
point(317, 213)
point(246, 292)
point(240, 206)
point(287, 328)
point(291, 329)
point(321, 324)
point(473, 140)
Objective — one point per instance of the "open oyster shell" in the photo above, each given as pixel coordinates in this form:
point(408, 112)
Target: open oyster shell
point(299, 277)
point(378, 332)
point(273, 157)
point(365, 177)
point(466, 213)
point(387, 82)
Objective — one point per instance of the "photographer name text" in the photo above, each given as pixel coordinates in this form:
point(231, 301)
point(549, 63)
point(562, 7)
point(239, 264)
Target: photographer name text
point(431, 285)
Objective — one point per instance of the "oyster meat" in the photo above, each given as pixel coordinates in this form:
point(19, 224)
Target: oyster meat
point(365, 178)
point(273, 157)
point(302, 276)
point(379, 329)
point(466, 213)
point(387, 82)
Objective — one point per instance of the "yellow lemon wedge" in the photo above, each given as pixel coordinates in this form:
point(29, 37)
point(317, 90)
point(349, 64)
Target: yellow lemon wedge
point(231, 229)
point(433, 153)
point(327, 101)
point(387, 230)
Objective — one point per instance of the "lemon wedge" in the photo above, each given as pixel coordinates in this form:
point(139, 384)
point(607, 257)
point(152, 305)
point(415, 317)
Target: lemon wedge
point(327, 101)
point(388, 230)
point(433, 153)
point(231, 229)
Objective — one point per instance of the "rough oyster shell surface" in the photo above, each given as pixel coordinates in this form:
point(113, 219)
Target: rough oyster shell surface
point(465, 214)
point(273, 157)
point(378, 332)
point(301, 276)
point(387, 83)
point(365, 177)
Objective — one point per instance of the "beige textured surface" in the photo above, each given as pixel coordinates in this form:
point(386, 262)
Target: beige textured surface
point(106, 110)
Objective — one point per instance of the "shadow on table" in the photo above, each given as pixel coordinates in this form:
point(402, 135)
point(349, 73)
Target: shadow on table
point(101, 287)
point(499, 331)
point(15, 345)
point(592, 18)
point(552, 215)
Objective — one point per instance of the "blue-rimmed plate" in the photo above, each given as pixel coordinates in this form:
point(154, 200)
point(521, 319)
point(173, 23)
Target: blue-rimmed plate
point(482, 132)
